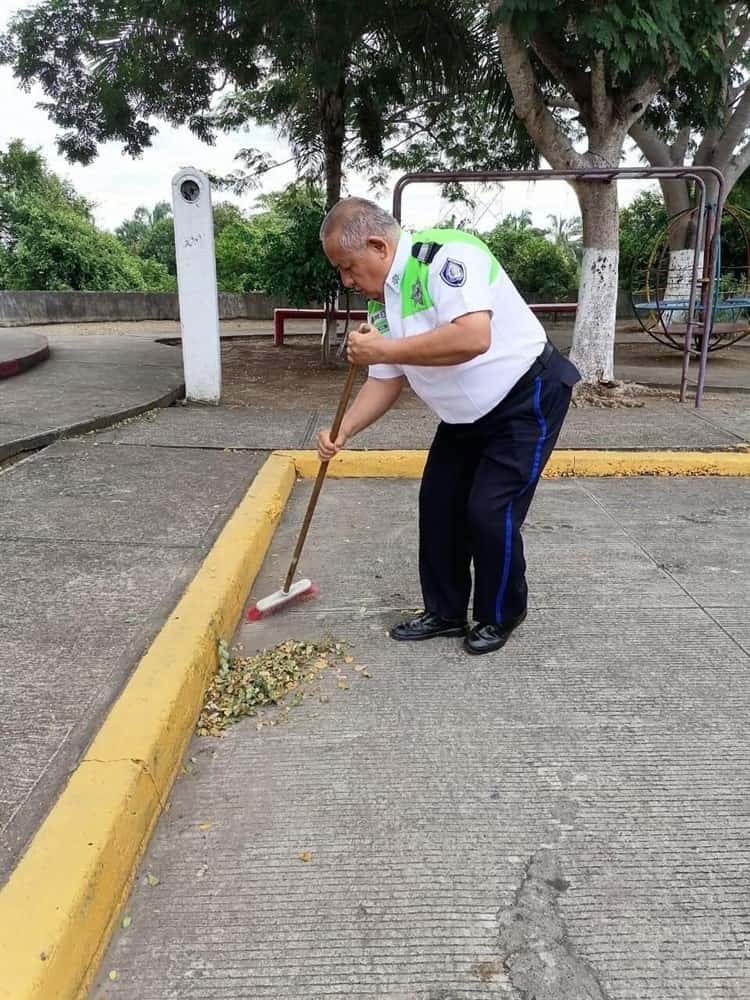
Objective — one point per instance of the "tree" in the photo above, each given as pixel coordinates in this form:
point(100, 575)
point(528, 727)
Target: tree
point(581, 72)
point(132, 231)
point(48, 237)
point(342, 79)
point(324, 72)
point(541, 271)
point(641, 224)
point(149, 234)
point(292, 264)
point(645, 227)
point(703, 118)
point(566, 234)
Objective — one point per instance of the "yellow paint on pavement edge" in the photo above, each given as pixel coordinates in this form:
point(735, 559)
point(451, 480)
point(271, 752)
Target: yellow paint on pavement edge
point(579, 462)
point(63, 898)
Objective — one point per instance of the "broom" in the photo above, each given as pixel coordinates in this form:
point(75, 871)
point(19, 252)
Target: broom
point(304, 588)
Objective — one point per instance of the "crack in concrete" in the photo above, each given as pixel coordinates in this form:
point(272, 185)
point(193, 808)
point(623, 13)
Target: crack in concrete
point(142, 764)
point(538, 956)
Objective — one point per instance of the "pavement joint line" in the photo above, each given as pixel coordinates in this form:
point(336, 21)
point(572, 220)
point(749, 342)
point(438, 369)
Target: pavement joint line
point(185, 447)
point(662, 568)
point(56, 918)
point(563, 463)
point(607, 513)
point(717, 427)
point(35, 442)
point(108, 542)
point(727, 633)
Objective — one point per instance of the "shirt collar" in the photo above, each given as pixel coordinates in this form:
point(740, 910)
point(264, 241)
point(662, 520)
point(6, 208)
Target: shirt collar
point(396, 273)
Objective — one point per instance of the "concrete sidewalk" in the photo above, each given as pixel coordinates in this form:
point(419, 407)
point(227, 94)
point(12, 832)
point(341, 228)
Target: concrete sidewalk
point(100, 535)
point(85, 383)
point(571, 811)
point(97, 544)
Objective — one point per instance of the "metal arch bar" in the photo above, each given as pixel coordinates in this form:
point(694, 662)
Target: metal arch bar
point(708, 229)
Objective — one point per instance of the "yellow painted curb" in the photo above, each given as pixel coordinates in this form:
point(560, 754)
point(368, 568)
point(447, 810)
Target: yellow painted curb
point(410, 464)
point(61, 902)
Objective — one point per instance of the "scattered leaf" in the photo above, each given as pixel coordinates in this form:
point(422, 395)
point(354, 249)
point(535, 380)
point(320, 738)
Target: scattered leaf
point(342, 684)
point(152, 879)
point(204, 826)
point(113, 975)
point(126, 922)
point(348, 659)
point(306, 856)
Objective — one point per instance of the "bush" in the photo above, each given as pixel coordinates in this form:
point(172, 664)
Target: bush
point(540, 270)
point(641, 223)
point(49, 240)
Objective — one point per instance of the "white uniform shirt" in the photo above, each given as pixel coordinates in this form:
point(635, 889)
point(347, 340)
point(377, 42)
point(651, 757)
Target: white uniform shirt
point(459, 284)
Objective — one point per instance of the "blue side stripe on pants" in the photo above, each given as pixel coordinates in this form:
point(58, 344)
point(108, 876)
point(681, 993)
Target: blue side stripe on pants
point(509, 509)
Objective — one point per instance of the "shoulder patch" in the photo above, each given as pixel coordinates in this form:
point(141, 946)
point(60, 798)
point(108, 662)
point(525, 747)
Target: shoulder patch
point(453, 273)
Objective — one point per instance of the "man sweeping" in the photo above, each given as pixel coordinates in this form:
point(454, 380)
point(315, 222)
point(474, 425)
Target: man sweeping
point(446, 318)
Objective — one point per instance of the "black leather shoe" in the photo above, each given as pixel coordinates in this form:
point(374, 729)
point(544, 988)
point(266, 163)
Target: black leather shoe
point(427, 626)
point(488, 638)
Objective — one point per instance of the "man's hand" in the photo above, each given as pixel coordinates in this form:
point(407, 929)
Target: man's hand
point(327, 449)
point(366, 346)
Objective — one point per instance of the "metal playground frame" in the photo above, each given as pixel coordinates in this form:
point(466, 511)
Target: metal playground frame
point(699, 314)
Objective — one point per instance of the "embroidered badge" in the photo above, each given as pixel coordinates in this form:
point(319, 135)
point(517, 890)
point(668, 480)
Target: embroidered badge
point(416, 294)
point(453, 273)
point(379, 320)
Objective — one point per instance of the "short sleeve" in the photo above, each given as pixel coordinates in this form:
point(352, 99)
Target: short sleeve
point(385, 371)
point(459, 281)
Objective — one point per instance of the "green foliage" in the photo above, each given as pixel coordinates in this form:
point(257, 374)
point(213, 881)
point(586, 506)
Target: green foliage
point(132, 231)
point(291, 263)
point(157, 244)
point(324, 73)
point(48, 239)
point(541, 270)
point(638, 38)
point(641, 224)
point(239, 246)
point(643, 228)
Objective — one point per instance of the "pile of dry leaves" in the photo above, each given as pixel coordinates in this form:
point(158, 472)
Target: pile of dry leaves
point(243, 684)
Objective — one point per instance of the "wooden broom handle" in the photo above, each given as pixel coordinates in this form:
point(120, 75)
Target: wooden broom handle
point(335, 428)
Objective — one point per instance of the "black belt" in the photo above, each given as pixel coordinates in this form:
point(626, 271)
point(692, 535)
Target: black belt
point(537, 368)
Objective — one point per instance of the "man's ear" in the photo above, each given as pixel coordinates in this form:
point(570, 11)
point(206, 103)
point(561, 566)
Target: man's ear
point(379, 245)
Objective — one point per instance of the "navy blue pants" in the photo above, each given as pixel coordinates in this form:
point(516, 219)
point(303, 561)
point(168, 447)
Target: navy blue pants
point(477, 487)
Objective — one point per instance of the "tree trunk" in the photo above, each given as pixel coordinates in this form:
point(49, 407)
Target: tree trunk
point(594, 333)
point(677, 200)
point(333, 129)
point(607, 122)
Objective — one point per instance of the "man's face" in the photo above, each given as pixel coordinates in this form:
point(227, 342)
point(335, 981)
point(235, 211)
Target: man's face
point(363, 270)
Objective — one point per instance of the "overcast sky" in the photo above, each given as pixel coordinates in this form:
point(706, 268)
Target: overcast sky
point(118, 184)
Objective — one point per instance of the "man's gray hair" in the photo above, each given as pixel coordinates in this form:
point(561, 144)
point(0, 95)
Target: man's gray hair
point(355, 220)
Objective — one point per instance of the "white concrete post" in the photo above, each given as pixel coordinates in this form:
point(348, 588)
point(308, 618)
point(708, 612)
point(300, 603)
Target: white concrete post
point(196, 284)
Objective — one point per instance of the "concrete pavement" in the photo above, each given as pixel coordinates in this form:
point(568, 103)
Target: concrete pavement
point(565, 819)
point(85, 383)
point(97, 544)
point(100, 535)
